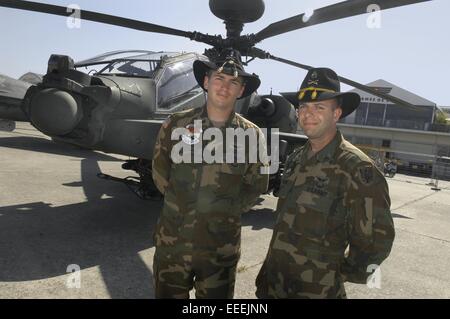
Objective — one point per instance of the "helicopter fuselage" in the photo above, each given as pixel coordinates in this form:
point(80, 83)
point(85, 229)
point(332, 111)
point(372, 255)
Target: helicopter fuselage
point(118, 112)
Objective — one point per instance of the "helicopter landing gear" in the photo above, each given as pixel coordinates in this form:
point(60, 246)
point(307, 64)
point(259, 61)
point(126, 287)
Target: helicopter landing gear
point(142, 186)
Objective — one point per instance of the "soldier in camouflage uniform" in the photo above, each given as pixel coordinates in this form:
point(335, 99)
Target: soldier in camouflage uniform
point(334, 222)
point(197, 236)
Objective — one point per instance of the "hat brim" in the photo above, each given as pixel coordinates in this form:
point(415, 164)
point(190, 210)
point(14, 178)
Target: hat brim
point(201, 69)
point(350, 100)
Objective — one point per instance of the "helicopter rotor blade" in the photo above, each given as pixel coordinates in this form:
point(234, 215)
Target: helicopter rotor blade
point(332, 12)
point(265, 55)
point(104, 18)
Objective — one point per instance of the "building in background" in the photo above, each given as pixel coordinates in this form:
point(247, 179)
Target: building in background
point(416, 138)
point(375, 111)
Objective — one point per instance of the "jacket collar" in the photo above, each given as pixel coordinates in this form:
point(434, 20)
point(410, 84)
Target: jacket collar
point(326, 154)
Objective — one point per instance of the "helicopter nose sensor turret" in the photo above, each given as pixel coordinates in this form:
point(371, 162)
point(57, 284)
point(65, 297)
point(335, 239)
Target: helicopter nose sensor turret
point(55, 112)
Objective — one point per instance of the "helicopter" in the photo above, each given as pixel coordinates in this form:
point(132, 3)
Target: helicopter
point(120, 105)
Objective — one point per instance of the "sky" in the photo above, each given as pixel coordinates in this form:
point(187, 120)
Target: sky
point(408, 46)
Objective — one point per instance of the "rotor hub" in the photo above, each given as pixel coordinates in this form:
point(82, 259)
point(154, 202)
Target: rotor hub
point(237, 10)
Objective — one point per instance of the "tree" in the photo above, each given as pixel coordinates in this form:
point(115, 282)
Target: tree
point(440, 118)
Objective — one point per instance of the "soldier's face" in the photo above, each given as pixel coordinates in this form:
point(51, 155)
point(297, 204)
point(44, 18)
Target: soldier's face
point(223, 89)
point(318, 119)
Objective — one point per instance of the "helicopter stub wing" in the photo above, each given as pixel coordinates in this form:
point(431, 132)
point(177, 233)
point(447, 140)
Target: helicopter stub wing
point(12, 92)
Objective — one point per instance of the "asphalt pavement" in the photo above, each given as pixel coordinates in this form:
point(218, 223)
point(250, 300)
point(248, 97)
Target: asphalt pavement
point(57, 216)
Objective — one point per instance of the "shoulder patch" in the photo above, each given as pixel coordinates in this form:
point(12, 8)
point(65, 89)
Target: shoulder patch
point(366, 174)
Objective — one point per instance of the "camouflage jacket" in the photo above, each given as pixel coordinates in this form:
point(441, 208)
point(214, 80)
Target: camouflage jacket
point(334, 201)
point(203, 202)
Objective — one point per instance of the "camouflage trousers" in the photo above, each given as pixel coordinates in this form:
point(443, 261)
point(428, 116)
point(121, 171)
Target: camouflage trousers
point(296, 282)
point(175, 275)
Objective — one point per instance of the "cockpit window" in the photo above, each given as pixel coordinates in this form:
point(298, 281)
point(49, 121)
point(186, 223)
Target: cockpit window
point(177, 84)
point(140, 68)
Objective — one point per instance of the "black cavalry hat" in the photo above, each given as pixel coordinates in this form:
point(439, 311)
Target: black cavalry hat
point(228, 62)
point(323, 84)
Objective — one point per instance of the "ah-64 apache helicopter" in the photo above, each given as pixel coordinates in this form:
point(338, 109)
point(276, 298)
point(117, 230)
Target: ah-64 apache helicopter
point(120, 107)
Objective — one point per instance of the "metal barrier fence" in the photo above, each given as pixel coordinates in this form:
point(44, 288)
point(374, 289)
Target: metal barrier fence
point(413, 152)
point(425, 160)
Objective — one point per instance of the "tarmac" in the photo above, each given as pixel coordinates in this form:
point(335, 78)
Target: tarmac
point(57, 216)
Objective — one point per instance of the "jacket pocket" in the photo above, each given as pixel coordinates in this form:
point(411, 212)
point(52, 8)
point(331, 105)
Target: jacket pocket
point(311, 282)
point(229, 179)
point(311, 218)
point(228, 187)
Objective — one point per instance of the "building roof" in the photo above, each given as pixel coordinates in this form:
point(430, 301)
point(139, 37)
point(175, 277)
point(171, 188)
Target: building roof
point(391, 89)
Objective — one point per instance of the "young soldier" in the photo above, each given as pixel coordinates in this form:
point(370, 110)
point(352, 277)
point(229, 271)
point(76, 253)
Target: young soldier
point(197, 237)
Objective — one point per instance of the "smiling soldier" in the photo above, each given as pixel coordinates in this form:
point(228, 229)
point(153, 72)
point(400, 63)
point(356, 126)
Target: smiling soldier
point(197, 237)
point(332, 198)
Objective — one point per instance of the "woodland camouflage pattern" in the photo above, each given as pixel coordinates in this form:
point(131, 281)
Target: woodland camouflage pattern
point(336, 198)
point(198, 233)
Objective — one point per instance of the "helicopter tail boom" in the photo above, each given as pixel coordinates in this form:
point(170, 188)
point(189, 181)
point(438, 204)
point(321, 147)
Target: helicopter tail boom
point(12, 92)
point(10, 109)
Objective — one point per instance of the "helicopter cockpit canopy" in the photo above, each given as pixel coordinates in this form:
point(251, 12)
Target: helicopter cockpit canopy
point(131, 63)
point(127, 67)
